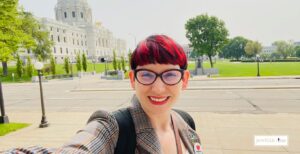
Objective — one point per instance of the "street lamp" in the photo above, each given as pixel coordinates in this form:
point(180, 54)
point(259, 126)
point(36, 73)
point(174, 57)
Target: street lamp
point(3, 117)
point(38, 66)
point(257, 60)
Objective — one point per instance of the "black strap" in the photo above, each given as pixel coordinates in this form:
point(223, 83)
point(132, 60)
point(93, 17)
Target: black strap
point(127, 138)
point(187, 118)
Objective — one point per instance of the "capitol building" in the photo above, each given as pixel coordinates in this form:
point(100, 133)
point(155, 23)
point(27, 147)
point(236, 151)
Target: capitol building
point(73, 32)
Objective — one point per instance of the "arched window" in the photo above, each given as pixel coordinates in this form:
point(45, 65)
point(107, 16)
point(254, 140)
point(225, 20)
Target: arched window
point(65, 13)
point(73, 14)
point(81, 14)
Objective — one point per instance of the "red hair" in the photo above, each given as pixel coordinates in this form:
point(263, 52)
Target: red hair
point(159, 49)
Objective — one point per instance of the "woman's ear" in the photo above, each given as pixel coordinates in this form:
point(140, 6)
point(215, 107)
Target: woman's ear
point(131, 77)
point(185, 79)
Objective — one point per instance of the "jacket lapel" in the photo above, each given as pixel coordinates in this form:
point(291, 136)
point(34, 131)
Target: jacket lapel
point(147, 140)
point(187, 134)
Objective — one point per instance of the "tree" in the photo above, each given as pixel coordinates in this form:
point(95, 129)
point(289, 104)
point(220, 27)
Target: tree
point(19, 67)
point(207, 35)
point(119, 65)
point(84, 62)
point(284, 48)
point(297, 50)
point(78, 62)
point(129, 57)
point(123, 63)
point(114, 60)
point(11, 35)
point(253, 48)
point(52, 65)
point(42, 43)
point(29, 67)
point(66, 65)
point(235, 48)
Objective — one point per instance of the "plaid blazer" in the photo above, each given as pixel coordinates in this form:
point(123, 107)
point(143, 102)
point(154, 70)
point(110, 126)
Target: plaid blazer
point(101, 135)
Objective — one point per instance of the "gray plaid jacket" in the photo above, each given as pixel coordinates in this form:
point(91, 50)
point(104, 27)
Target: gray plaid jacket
point(101, 135)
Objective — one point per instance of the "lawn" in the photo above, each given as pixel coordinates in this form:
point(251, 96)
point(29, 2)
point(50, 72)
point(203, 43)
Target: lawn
point(233, 69)
point(11, 127)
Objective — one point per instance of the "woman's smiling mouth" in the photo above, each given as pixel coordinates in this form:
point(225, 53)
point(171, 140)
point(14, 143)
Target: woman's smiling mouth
point(158, 100)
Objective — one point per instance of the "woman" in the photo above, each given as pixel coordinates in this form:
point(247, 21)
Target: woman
point(158, 75)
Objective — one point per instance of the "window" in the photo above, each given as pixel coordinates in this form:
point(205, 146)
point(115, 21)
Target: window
point(64, 31)
point(65, 39)
point(81, 43)
point(65, 13)
point(52, 37)
point(67, 51)
point(73, 14)
point(28, 51)
point(57, 29)
point(81, 14)
point(54, 49)
point(62, 57)
point(58, 39)
point(51, 28)
point(73, 41)
point(61, 50)
point(85, 43)
point(77, 42)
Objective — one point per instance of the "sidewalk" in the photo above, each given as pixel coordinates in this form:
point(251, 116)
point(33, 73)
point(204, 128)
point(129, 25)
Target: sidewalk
point(220, 133)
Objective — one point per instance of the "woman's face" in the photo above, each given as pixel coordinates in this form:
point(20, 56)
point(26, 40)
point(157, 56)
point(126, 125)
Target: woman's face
point(158, 96)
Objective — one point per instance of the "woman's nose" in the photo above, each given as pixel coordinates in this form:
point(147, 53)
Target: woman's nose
point(158, 85)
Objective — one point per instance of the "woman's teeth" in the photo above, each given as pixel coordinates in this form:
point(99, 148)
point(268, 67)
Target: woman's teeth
point(158, 99)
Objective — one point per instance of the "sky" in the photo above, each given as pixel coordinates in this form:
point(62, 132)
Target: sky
point(265, 21)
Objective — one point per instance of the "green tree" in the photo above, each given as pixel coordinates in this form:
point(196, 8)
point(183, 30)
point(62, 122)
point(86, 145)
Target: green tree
point(12, 37)
point(78, 62)
point(29, 67)
point(19, 66)
point(297, 51)
point(129, 57)
point(284, 48)
point(84, 62)
point(235, 48)
point(114, 60)
point(119, 65)
point(253, 48)
point(67, 65)
point(123, 63)
point(207, 35)
point(42, 44)
point(52, 65)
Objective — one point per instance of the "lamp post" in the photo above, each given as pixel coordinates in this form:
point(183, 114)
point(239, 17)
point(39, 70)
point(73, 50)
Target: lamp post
point(3, 117)
point(257, 60)
point(38, 66)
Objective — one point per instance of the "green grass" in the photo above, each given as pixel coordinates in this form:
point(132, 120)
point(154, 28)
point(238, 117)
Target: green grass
point(230, 69)
point(11, 127)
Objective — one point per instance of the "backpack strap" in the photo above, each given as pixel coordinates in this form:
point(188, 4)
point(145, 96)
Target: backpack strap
point(187, 118)
point(127, 136)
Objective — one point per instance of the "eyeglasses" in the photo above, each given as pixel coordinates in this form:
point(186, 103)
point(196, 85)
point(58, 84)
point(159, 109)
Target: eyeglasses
point(148, 77)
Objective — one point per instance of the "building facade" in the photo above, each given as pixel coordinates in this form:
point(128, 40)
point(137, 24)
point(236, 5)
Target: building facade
point(73, 32)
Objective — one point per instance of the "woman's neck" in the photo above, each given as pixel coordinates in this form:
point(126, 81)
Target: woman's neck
point(161, 122)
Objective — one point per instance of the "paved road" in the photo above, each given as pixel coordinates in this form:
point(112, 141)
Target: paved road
point(88, 94)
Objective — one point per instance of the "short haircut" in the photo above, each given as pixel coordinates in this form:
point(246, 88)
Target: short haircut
point(158, 49)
